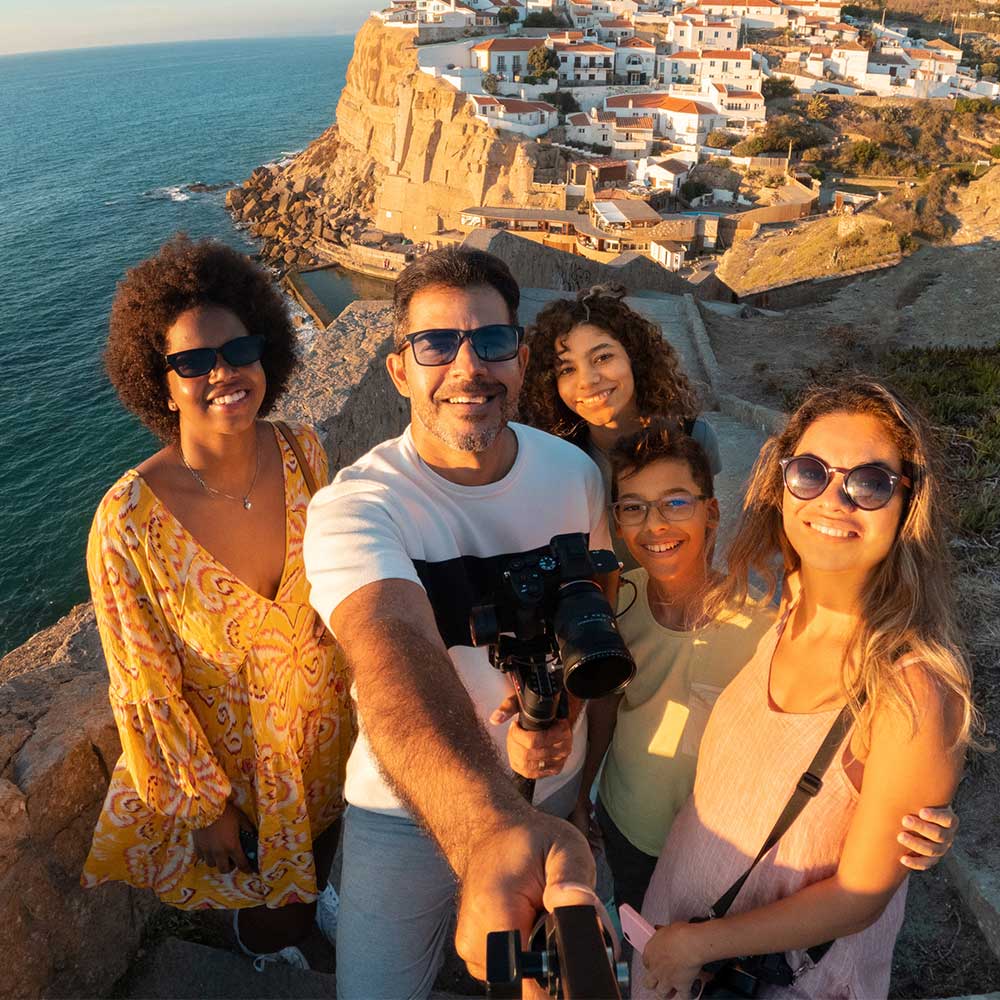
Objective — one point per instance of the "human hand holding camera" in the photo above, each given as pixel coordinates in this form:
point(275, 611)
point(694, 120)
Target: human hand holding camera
point(505, 881)
point(534, 753)
point(218, 844)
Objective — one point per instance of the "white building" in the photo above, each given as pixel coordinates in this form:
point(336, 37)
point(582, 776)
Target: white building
point(614, 31)
point(733, 68)
point(698, 32)
point(586, 129)
point(849, 60)
point(668, 253)
point(754, 14)
point(635, 62)
point(664, 174)
point(683, 121)
point(504, 57)
point(584, 62)
point(531, 118)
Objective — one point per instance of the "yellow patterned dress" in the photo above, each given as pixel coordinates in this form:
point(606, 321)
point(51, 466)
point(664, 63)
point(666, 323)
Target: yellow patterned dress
point(218, 693)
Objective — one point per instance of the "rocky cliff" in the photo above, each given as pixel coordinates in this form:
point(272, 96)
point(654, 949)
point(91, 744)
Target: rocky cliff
point(405, 157)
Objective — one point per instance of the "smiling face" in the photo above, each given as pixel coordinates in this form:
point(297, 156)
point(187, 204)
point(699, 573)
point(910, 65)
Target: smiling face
point(673, 553)
point(829, 533)
point(226, 400)
point(462, 406)
point(594, 376)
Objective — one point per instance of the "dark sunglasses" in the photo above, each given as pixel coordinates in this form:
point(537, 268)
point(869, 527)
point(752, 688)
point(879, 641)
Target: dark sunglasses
point(869, 487)
point(237, 353)
point(497, 342)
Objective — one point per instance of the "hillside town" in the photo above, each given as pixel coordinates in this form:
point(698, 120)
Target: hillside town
point(637, 94)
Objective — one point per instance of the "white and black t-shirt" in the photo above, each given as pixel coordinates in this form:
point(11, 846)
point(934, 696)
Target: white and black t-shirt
point(389, 516)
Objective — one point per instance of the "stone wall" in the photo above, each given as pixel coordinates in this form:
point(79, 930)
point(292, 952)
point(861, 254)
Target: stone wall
point(58, 745)
point(537, 266)
point(58, 741)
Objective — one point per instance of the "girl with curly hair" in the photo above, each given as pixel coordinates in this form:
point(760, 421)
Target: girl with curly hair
point(230, 698)
point(599, 371)
point(866, 660)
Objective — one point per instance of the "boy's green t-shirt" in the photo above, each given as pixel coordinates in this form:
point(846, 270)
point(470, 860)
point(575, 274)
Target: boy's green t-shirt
point(649, 770)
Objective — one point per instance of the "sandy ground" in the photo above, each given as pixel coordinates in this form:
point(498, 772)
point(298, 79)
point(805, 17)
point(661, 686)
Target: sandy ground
point(943, 295)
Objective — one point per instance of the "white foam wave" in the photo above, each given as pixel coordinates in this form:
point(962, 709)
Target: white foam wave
point(174, 192)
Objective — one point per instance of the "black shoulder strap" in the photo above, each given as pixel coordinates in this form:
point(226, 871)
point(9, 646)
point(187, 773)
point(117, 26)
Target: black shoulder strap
point(808, 787)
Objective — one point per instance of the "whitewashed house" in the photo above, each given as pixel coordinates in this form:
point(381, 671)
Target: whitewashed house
point(504, 57)
point(683, 121)
point(666, 174)
point(668, 254)
point(530, 118)
point(584, 62)
point(635, 62)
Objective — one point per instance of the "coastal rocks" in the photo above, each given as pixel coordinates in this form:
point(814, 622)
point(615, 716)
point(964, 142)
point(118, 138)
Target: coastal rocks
point(406, 156)
point(342, 388)
point(58, 745)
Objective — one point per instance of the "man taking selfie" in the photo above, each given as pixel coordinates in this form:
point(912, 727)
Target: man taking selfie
point(397, 549)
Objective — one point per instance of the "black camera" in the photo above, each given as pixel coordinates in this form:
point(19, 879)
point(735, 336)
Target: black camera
point(747, 976)
point(550, 626)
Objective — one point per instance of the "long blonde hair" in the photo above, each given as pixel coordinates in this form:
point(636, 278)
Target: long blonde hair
point(907, 609)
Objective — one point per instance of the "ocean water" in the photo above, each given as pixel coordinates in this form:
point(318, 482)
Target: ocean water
point(97, 148)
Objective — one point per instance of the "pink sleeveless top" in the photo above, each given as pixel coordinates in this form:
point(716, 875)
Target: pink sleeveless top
point(750, 759)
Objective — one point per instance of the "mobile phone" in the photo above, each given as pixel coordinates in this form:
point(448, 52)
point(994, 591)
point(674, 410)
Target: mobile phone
point(248, 842)
point(637, 931)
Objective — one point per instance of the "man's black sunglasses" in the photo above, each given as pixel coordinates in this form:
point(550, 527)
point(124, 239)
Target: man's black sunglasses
point(201, 360)
point(497, 342)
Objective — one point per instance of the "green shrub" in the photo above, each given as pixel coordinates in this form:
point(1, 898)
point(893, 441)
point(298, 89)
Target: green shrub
point(693, 189)
point(719, 138)
point(490, 83)
point(507, 15)
point(544, 19)
point(564, 101)
point(995, 151)
point(775, 87)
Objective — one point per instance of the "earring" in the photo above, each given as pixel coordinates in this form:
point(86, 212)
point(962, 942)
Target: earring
point(171, 405)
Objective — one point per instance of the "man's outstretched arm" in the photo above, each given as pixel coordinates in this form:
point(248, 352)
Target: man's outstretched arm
point(428, 740)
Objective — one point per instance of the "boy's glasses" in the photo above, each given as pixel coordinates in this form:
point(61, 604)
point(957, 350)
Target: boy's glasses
point(676, 507)
point(869, 487)
point(497, 342)
point(237, 353)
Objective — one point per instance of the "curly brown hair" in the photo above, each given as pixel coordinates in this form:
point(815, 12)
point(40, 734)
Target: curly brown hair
point(183, 275)
point(661, 387)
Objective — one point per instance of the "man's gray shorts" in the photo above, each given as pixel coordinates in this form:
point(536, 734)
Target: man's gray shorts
point(397, 897)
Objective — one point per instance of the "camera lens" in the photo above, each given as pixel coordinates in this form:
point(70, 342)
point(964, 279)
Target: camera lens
point(596, 662)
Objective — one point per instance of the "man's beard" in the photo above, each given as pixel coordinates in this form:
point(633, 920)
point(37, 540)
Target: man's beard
point(477, 439)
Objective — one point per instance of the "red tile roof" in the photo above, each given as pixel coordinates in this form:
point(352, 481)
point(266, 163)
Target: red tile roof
point(740, 55)
point(507, 45)
point(635, 43)
point(663, 102)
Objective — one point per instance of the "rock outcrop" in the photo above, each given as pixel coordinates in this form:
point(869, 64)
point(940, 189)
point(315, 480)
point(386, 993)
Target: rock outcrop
point(405, 158)
point(58, 745)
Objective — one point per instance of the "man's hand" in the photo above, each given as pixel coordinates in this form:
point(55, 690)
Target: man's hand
point(928, 836)
point(534, 754)
point(506, 877)
point(218, 844)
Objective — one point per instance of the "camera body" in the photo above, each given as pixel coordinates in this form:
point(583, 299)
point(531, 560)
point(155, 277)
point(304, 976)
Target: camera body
point(550, 626)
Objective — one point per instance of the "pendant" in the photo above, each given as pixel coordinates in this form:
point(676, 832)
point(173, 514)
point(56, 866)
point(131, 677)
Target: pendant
point(246, 504)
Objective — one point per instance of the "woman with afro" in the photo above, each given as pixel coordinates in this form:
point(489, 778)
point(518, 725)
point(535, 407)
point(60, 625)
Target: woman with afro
point(230, 699)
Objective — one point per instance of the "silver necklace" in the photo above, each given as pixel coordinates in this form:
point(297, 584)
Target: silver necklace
point(245, 499)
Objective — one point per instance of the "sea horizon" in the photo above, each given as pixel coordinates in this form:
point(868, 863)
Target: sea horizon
point(100, 147)
point(180, 41)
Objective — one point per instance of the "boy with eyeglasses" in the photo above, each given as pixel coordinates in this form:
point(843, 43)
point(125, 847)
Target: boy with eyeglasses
point(398, 551)
point(665, 511)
